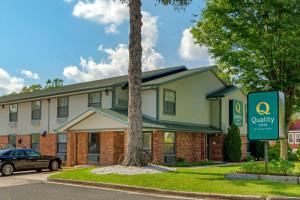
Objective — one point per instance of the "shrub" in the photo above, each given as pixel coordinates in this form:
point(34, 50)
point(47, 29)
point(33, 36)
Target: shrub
point(233, 144)
point(257, 149)
point(298, 151)
point(274, 151)
point(250, 158)
point(293, 156)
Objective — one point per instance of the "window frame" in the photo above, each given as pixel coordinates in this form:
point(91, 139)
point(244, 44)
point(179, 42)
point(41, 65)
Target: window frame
point(164, 102)
point(10, 113)
point(34, 142)
point(91, 104)
point(173, 143)
point(151, 142)
point(297, 142)
point(62, 143)
point(62, 107)
point(40, 110)
point(97, 144)
point(13, 144)
point(291, 138)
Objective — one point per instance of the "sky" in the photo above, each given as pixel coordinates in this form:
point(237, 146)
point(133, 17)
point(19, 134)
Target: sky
point(84, 40)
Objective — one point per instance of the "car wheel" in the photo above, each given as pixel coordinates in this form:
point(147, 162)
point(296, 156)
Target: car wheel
point(54, 165)
point(7, 169)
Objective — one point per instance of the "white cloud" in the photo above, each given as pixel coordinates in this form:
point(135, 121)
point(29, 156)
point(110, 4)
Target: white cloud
point(30, 74)
point(111, 29)
point(8, 83)
point(117, 63)
point(189, 51)
point(106, 12)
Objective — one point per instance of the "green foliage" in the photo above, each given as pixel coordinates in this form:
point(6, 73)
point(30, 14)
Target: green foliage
point(258, 42)
point(274, 151)
point(233, 144)
point(32, 88)
point(257, 149)
point(250, 158)
point(298, 151)
point(55, 83)
point(281, 167)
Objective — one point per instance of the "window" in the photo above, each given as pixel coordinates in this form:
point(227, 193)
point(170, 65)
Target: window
point(5, 152)
point(169, 102)
point(169, 147)
point(94, 147)
point(297, 139)
point(95, 100)
point(12, 140)
point(35, 142)
point(291, 138)
point(61, 143)
point(13, 112)
point(147, 142)
point(32, 153)
point(18, 153)
point(36, 110)
point(63, 107)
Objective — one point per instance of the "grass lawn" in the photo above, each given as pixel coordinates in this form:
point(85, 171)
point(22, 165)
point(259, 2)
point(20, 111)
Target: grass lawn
point(208, 179)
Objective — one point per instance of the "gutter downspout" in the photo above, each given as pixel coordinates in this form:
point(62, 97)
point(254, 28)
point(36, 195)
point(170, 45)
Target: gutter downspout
point(48, 115)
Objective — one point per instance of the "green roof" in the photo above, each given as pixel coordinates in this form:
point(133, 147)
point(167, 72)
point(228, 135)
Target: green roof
point(92, 85)
point(222, 92)
point(183, 74)
point(122, 115)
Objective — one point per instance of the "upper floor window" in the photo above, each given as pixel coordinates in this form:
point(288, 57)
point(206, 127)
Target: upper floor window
point(36, 110)
point(291, 138)
point(169, 102)
point(13, 112)
point(63, 107)
point(95, 100)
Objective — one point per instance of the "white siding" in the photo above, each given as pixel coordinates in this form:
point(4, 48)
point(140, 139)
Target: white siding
point(149, 103)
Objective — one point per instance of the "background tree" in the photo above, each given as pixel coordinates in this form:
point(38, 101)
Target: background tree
point(32, 88)
point(135, 136)
point(233, 144)
point(259, 43)
point(55, 83)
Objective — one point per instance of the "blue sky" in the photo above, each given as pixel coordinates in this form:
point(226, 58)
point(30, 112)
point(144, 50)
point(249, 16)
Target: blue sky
point(86, 40)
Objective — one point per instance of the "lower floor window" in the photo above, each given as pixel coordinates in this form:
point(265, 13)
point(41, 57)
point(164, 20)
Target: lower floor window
point(147, 142)
point(35, 142)
point(94, 143)
point(12, 140)
point(61, 143)
point(297, 140)
point(291, 139)
point(170, 147)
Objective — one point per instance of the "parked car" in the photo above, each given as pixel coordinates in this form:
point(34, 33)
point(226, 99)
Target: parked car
point(12, 160)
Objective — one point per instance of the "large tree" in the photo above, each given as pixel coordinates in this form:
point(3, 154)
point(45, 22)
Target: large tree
point(134, 156)
point(258, 42)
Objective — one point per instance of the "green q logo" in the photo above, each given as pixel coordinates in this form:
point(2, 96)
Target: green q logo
point(263, 108)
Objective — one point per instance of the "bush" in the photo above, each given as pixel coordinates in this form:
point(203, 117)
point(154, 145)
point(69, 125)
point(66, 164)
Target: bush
point(281, 167)
point(274, 151)
point(250, 158)
point(257, 150)
point(233, 144)
point(293, 156)
point(298, 151)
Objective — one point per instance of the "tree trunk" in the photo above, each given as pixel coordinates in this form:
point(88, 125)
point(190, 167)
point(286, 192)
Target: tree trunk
point(289, 110)
point(134, 156)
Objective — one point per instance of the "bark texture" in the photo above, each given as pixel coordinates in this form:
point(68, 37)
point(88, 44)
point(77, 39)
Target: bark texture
point(134, 156)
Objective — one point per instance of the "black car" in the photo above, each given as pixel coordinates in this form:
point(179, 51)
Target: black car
point(12, 160)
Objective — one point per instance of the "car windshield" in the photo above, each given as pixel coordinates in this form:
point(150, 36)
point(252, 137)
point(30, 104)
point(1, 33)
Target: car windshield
point(5, 152)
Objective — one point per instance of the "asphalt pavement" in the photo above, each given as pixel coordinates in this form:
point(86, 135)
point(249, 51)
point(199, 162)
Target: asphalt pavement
point(33, 186)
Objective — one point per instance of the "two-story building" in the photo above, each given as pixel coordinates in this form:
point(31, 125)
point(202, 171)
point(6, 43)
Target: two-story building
point(186, 114)
point(294, 133)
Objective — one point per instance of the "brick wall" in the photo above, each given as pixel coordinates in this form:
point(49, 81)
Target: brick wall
point(190, 146)
point(48, 144)
point(25, 141)
point(158, 147)
point(82, 148)
point(3, 141)
point(106, 148)
point(244, 146)
point(217, 144)
point(118, 146)
point(71, 142)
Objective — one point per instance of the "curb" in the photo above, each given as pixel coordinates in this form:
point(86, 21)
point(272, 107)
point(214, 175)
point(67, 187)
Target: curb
point(158, 191)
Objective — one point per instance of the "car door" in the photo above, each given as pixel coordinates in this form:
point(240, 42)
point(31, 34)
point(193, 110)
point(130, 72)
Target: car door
point(20, 159)
point(35, 160)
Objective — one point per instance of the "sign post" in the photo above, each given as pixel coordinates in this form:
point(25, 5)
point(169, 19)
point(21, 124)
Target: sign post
point(266, 118)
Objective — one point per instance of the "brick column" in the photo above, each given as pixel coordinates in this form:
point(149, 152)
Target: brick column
point(48, 144)
point(3, 141)
point(25, 141)
point(118, 146)
point(244, 146)
point(217, 144)
point(71, 143)
point(106, 148)
point(199, 147)
point(158, 147)
point(82, 148)
point(184, 146)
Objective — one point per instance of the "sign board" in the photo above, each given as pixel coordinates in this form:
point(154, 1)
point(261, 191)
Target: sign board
point(266, 115)
point(236, 112)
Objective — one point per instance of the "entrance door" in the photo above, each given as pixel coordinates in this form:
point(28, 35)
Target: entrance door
point(208, 147)
point(94, 149)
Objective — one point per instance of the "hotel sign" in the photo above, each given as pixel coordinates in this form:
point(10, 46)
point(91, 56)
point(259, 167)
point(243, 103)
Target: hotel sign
point(236, 112)
point(266, 115)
